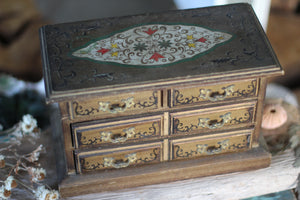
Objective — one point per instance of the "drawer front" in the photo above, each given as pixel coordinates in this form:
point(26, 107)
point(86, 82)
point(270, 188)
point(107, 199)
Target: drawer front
point(214, 93)
point(197, 147)
point(213, 119)
point(118, 132)
point(119, 158)
point(116, 104)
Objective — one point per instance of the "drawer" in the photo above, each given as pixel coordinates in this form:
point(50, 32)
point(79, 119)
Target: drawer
point(95, 133)
point(235, 141)
point(213, 119)
point(214, 92)
point(114, 105)
point(119, 158)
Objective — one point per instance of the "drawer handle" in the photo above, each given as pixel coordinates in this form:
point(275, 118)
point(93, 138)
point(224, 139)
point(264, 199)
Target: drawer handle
point(213, 124)
point(116, 107)
point(116, 138)
point(204, 148)
point(112, 162)
point(216, 96)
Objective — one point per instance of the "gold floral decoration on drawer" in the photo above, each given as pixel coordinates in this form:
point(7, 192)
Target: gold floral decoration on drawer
point(205, 149)
point(146, 100)
point(214, 124)
point(111, 162)
point(216, 96)
point(116, 108)
point(117, 135)
point(211, 147)
point(109, 136)
point(197, 123)
point(219, 93)
point(98, 162)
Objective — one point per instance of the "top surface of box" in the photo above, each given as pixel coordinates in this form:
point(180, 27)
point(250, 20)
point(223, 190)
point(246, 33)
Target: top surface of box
point(101, 55)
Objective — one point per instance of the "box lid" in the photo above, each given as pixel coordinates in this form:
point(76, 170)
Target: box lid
point(154, 50)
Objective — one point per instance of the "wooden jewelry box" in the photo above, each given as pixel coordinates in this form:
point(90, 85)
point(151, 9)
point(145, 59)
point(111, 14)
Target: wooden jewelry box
point(153, 98)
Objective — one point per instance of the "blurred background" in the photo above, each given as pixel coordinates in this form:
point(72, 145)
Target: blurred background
point(21, 19)
point(21, 78)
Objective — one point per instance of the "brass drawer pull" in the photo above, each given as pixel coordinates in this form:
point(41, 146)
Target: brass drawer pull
point(213, 124)
point(216, 96)
point(112, 162)
point(204, 148)
point(117, 138)
point(116, 107)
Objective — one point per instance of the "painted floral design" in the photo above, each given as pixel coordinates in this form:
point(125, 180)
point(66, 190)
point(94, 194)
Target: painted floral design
point(153, 45)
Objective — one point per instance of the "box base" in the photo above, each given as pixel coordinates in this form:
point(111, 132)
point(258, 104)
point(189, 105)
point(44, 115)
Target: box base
point(110, 180)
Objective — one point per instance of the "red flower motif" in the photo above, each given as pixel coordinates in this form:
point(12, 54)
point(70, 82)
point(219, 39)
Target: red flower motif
point(150, 31)
point(156, 56)
point(103, 51)
point(202, 40)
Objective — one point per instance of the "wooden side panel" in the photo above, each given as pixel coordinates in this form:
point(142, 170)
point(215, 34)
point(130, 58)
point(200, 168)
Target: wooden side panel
point(68, 146)
point(259, 112)
point(216, 92)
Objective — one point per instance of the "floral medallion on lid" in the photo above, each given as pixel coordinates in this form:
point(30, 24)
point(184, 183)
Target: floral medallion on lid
point(153, 45)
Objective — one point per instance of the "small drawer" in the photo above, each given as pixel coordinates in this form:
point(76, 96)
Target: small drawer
point(213, 119)
point(115, 105)
point(204, 146)
point(95, 133)
point(119, 157)
point(214, 93)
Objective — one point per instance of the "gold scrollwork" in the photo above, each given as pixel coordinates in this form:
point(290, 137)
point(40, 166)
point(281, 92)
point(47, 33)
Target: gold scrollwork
point(213, 124)
point(111, 162)
point(109, 136)
point(116, 108)
point(205, 149)
point(216, 96)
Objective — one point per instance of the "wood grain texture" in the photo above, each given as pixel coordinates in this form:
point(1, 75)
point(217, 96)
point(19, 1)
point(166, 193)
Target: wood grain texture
point(281, 175)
